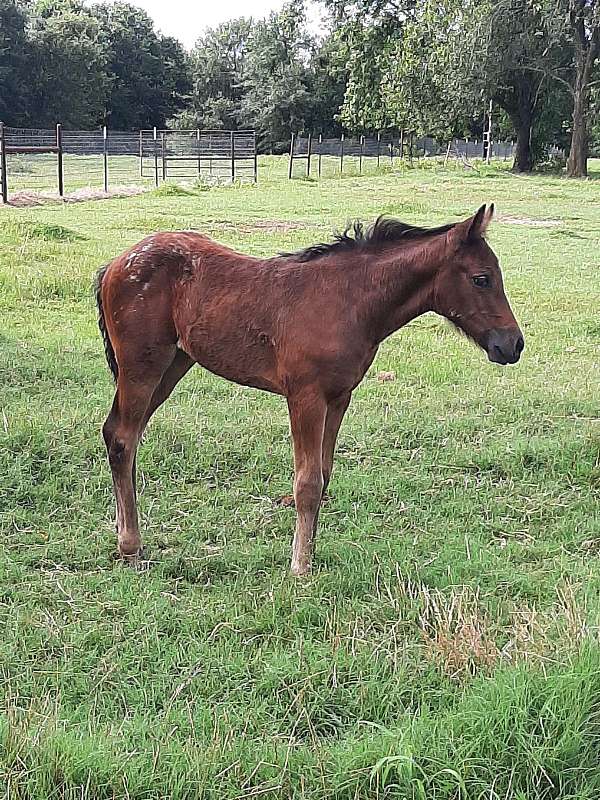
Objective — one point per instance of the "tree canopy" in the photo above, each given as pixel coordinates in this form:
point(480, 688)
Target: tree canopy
point(427, 66)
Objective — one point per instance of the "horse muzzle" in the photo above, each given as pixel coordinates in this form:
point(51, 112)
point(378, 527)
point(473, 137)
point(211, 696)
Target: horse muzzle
point(505, 345)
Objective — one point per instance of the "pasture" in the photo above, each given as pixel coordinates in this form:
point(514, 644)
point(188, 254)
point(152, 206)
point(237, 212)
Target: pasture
point(446, 646)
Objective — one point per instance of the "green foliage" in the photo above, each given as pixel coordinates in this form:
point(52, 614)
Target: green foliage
point(269, 75)
point(276, 96)
point(68, 76)
point(84, 66)
point(217, 65)
point(14, 61)
point(147, 72)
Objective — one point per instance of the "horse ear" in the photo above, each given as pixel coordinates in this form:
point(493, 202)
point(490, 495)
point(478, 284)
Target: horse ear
point(473, 228)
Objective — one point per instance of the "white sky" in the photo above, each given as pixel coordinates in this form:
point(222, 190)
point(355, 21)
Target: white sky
point(187, 19)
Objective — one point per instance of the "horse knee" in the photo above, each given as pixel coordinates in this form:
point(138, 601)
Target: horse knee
point(108, 431)
point(117, 452)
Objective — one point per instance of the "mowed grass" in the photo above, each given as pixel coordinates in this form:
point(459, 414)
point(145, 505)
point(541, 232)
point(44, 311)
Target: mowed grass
point(446, 646)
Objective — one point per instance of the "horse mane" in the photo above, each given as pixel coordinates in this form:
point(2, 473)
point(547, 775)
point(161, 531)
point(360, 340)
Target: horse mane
point(358, 237)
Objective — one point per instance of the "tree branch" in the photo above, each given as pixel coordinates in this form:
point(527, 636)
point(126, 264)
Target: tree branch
point(551, 75)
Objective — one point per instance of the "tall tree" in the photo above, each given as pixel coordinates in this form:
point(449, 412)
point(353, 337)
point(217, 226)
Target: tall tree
point(15, 57)
point(413, 58)
point(326, 82)
point(582, 28)
point(148, 73)
point(506, 55)
point(276, 83)
point(67, 79)
point(217, 68)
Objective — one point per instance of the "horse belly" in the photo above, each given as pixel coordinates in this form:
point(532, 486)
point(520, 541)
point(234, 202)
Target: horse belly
point(244, 356)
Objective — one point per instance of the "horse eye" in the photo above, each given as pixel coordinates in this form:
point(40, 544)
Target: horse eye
point(481, 280)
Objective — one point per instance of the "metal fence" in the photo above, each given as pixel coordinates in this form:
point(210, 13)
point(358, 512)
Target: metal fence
point(37, 160)
point(382, 148)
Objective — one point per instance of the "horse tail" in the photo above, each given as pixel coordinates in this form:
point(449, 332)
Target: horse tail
point(108, 348)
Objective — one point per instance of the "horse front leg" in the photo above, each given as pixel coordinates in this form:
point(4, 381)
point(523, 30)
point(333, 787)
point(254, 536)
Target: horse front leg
point(335, 414)
point(308, 411)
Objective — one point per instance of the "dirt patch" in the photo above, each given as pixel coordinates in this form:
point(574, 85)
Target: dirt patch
point(31, 198)
point(271, 226)
point(533, 223)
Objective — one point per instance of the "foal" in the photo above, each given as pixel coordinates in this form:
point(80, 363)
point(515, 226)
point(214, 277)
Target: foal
point(305, 325)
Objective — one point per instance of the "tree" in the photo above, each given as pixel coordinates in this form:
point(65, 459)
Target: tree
point(582, 28)
point(413, 58)
point(508, 58)
point(327, 76)
point(66, 69)
point(15, 57)
point(148, 74)
point(276, 83)
point(217, 68)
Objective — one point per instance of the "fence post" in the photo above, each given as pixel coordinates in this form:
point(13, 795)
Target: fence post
point(164, 156)
point(61, 188)
point(199, 159)
point(3, 176)
point(360, 157)
point(378, 147)
point(141, 154)
point(342, 154)
point(402, 143)
point(320, 152)
point(255, 157)
point(293, 142)
point(448, 152)
point(105, 156)
point(489, 135)
point(410, 146)
point(232, 156)
point(309, 154)
point(155, 140)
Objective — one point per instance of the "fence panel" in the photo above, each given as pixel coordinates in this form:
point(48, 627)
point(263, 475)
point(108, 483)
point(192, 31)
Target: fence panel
point(37, 160)
point(383, 148)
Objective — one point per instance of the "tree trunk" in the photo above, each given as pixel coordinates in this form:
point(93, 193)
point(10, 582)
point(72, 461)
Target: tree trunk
point(578, 152)
point(523, 157)
point(586, 40)
point(520, 105)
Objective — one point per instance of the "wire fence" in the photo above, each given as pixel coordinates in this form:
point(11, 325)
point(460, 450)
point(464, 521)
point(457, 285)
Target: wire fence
point(61, 161)
point(353, 153)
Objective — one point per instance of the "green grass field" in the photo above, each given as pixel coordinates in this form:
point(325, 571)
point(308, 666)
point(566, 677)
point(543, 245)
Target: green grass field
point(446, 647)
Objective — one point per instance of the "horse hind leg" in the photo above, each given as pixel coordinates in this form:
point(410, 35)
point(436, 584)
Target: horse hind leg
point(122, 432)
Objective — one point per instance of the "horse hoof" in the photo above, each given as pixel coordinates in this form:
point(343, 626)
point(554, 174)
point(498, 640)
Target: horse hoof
point(301, 570)
point(137, 561)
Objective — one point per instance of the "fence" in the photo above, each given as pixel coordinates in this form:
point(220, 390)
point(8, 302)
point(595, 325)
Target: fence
point(384, 148)
point(60, 160)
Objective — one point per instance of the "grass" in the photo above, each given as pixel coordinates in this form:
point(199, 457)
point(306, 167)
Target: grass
point(446, 647)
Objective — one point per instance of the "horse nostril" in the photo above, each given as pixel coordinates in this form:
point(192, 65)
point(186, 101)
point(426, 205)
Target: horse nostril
point(519, 345)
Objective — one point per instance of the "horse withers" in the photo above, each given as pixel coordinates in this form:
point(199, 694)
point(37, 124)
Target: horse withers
point(304, 325)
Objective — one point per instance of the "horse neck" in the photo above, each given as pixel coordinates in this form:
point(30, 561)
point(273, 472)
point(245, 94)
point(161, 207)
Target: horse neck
point(402, 282)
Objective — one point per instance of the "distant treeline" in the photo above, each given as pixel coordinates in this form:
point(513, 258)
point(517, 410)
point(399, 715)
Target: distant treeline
point(427, 66)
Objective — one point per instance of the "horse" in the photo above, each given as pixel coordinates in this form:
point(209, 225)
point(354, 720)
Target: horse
point(304, 325)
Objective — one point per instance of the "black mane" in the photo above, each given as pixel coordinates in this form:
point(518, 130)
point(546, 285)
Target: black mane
point(357, 237)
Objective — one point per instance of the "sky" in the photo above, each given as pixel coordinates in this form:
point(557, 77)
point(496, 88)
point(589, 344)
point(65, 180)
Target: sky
point(187, 19)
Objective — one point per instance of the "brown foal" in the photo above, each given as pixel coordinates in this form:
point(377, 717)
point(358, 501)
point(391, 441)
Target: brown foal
point(305, 325)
